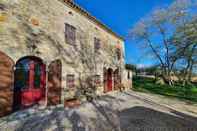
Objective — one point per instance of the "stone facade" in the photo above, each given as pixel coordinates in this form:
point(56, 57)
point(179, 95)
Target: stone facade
point(37, 28)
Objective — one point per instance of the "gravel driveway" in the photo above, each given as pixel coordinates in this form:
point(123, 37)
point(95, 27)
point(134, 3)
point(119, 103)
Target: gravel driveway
point(148, 112)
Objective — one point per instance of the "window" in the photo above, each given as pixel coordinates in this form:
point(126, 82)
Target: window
point(118, 54)
point(97, 80)
point(97, 44)
point(128, 76)
point(70, 34)
point(70, 80)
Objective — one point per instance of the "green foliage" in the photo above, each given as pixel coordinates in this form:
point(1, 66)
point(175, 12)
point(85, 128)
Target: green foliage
point(188, 92)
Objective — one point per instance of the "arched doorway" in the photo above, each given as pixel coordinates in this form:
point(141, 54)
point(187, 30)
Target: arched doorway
point(29, 82)
point(54, 83)
point(108, 80)
point(6, 84)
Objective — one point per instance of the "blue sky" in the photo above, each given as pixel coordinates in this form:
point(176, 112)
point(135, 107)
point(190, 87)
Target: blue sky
point(120, 16)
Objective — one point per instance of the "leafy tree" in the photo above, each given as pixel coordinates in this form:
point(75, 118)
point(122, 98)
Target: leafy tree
point(185, 41)
point(155, 32)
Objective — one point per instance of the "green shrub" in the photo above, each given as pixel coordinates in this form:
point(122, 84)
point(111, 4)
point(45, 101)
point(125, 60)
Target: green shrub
point(188, 92)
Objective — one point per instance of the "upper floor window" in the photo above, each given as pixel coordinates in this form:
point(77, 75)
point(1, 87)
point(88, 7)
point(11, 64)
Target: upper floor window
point(70, 34)
point(70, 80)
point(97, 80)
point(118, 53)
point(97, 44)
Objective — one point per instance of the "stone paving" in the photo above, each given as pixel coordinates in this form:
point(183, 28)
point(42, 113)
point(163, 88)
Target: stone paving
point(126, 111)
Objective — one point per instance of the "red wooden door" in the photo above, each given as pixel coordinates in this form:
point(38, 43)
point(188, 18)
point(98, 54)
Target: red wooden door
point(30, 86)
point(109, 80)
point(109, 84)
point(33, 93)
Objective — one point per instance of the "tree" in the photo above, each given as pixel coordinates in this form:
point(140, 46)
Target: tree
point(155, 31)
point(185, 40)
point(152, 33)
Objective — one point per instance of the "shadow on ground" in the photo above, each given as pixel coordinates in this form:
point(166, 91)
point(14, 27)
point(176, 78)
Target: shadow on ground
point(58, 119)
point(101, 115)
point(142, 119)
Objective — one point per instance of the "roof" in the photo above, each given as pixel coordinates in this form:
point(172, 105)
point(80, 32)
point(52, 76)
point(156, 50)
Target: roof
point(92, 18)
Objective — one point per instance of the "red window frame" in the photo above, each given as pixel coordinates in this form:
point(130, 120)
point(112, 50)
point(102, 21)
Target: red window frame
point(97, 80)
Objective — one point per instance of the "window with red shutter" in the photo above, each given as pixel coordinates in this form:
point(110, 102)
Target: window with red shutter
point(97, 80)
point(70, 80)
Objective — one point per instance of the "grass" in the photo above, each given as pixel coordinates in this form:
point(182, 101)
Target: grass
point(178, 91)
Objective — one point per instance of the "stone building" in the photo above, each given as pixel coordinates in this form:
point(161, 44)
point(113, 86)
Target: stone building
point(50, 49)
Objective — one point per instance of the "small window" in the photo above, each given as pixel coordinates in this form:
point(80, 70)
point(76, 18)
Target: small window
point(128, 76)
point(97, 44)
point(118, 54)
point(70, 80)
point(97, 80)
point(70, 34)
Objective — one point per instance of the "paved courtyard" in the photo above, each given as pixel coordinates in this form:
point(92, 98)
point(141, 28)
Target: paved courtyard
point(126, 111)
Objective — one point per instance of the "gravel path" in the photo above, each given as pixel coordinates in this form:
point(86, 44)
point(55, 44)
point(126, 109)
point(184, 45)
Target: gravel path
point(126, 111)
point(145, 113)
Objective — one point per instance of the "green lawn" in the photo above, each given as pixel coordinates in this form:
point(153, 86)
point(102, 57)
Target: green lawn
point(178, 91)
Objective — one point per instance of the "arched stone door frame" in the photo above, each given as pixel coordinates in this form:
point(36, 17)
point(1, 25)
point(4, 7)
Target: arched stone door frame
point(29, 82)
point(108, 80)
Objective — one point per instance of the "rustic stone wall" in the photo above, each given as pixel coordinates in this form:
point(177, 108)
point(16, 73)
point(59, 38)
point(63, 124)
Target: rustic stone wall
point(36, 27)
